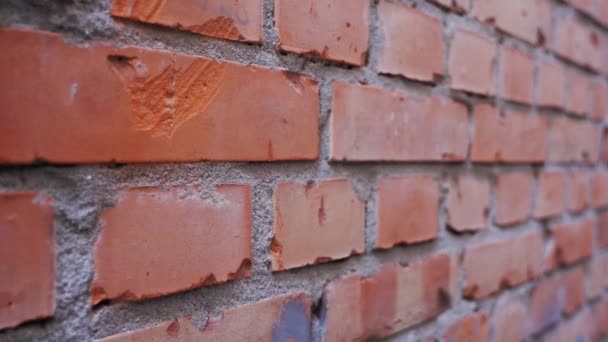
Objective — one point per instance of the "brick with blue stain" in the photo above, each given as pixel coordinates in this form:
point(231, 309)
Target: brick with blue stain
point(294, 323)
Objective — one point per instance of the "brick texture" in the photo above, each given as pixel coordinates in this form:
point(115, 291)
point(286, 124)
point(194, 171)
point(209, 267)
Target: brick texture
point(474, 327)
point(472, 63)
point(468, 203)
point(513, 198)
point(550, 194)
point(574, 241)
point(517, 77)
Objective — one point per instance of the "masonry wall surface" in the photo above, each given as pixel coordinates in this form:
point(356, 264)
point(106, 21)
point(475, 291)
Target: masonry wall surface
point(279, 170)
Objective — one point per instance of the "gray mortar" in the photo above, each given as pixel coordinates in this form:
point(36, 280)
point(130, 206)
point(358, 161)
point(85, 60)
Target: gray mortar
point(82, 192)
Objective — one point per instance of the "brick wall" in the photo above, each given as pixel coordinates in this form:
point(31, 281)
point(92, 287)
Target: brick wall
point(281, 170)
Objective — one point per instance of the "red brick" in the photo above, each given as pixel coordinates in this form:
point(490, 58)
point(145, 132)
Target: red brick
point(597, 278)
point(517, 75)
point(516, 137)
point(578, 328)
point(545, 305)
point(604, 145)
point(373, 124)
point(513, 198)
point(577, 42)
point(316, 222)
point(551, 84)
point(510, 322)
point(408, 210)
point(413, 42)
point(155, 242)
point(603, 230)
point(391, 300)
point(550, 194)
point(280, 318)
point(600, 312)
point(335, 30)
point(579, 190)
point(216, 111)
point(599, 98)
point(491, 266)
point(472, 62)
point(573, 242)
point(528, 20)
point(599, 186)
point(468, 203)
point(459, 6)
point(234, 20)
point(27, 270)
point(578, 90)
point(473, 327)
point(572, 141)
point(574, 290)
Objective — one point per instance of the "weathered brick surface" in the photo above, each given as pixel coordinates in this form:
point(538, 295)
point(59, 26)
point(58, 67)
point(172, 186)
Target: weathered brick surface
point(510, 322)
point(27, 270)
point(279, 318)
point(550, 194)
point(336, 30)
point(513, 198)
point(574, 290)
point(151, 233)
point(408, 210)
point(602, 233)
point(572, 141)
point(472, 63)
point(551, 84)
point(468, 203)
point(490, 266)
point(597, 281)
point(578, 190)
point(214, 111)
point(577, 42)
point(374, 124)
point(599, 189)
point(574, 241)
point(234, 20)
point(578, 93)
point(517, 77)
point(413, 43)
point(545, 304)
point(474, 327)
point(316, 222)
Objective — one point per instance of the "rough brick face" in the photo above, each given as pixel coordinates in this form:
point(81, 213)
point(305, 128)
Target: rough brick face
point(152, 233)
point(336, 30)
point(578, 99)
point(574, 242)
point(578, 190)
point(574, 290)
point(413, 43)
point(513, 198)
point(472, 62)
point(369, 123)
point(490, 266)
point(215, 110)
point(516, 137)
point(474, 327)
point(603, 230)
point(510, 322)
point(280, 318)
point(408, 210)
point(391, 300)
point(545, 304)
point(517, 77)
point(577, 42)
point(27, 270)
point(597, 281)
point(599, 99)
point(316, 222)
point(572, 141)
point(528, 20)
point(551, 84)
point(234, 20)
point(599, 186)
point(550, 194)
point(468, 203)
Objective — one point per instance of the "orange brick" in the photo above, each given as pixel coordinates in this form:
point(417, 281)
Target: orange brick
point(459, 6)
point(573, 242)
point(545, 305)
point(473, 327)
point(579, 190)
point(578, 99)
point(491, 266)
point(550, 194)
point(408, 210)
point(155, 242)
point(528, 20)
point(513, 198)
point(572, 141)
point(316, 222)
point(468, 203)
point(373, 124)
point(391, 300)
point(510, 322)
point(599, 186)
point(472, 62)
point(27, 247)
point(517, 75)
point(234, 20)
point(577, 42)
point(280, 318)
point(335, 30)
point(551, 84)
point(574, 290)
point(213, 110)
point(597, 281)
point(413, 42)
point(516, 137)
point(599, 97)
point(603, 230)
